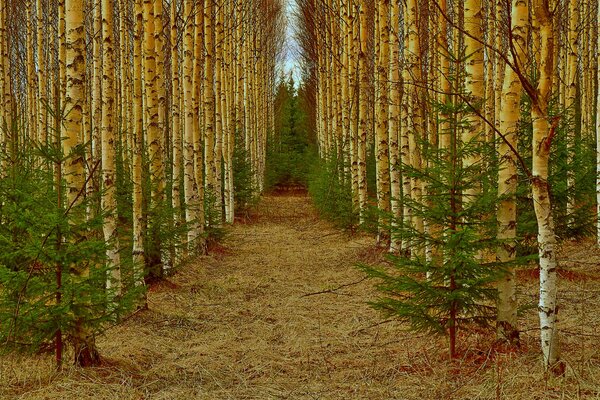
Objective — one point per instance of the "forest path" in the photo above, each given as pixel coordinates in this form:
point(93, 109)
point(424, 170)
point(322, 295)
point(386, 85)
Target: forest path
point(247, 322)
point(239, 324)
point(257, 319)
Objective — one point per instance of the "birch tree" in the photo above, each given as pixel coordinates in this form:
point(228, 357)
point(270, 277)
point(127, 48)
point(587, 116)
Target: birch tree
point(193, 209)
point(543, 132)
point(139, 256)
point(86, 353)
point(109, 194)
point(598, 141)
point(507, 176)
point(382, 129)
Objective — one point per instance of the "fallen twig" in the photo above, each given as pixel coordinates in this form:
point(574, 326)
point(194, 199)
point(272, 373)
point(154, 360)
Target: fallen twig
point(357, 331)
point(333, 291)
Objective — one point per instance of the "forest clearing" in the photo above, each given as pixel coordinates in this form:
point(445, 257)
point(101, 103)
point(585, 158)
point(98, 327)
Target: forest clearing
point(299, 199)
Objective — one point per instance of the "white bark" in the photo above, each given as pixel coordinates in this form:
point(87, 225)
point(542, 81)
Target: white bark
point(598, 139)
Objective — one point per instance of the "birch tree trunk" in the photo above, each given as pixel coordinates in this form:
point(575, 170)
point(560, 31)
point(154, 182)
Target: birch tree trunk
point(109, 193)
point(598, 136)
point(220, 112)
point(199, 117)
point(31, 76)
point(382, 130)
point(209, 102)
point(570, 97)
point(394, 128)
point(42, 78)
point(363, 105)
point(177, 146)
point(86, 353)
point(193, 205)
point(4, 113)
point(507, 175)
point(62, 49)
point(96, 115)
point(153, 132)
point(473, 83)
point(139, 257)
point(414, 120)
point(159, 51)
point(543, 132)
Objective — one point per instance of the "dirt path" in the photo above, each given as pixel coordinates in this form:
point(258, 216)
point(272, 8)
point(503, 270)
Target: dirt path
point(239, 325)
point(258, 320)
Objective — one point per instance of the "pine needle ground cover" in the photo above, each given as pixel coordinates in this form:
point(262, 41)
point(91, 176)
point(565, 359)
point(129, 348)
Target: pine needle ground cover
point(279, 313)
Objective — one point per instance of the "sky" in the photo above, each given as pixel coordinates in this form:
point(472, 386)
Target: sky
point(292, 56)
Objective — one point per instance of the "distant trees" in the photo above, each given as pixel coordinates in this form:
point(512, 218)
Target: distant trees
point(427, 76)
point(151, 98)
point(288, 154)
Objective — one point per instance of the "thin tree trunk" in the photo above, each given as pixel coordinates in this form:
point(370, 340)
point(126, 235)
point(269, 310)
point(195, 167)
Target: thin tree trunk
point(382, 164)
point(598, 135)
point(177, 146)
point(363, 110)
point(570, 95)
point(507, 176)
point(199, 117)
point(31, 78)
point(109, 193)
point(190, 99)
point(139, 257)
point(394, 128)
point(543, 133)
point(42, 78)
point(86, 353)
point(209, 102)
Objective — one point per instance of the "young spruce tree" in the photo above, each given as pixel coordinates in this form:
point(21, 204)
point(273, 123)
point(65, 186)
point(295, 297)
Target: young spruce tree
point(453, 288)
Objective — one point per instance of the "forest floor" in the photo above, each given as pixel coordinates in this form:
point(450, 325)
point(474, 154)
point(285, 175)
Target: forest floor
point(278, 311)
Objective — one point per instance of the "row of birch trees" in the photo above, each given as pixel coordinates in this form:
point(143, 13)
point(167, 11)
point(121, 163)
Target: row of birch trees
point(376, 70)
point(150, 97)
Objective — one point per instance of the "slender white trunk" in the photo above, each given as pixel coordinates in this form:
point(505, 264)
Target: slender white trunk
point(109, 195)
point(598, 138)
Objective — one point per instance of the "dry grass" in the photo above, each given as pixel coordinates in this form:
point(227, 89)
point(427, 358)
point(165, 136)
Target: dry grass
point(246, 323)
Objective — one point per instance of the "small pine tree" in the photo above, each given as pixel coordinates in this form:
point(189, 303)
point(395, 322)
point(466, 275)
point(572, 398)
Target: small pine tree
point(244, 191)
point(446, 282)
point(43, 242)
point(331, 195)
